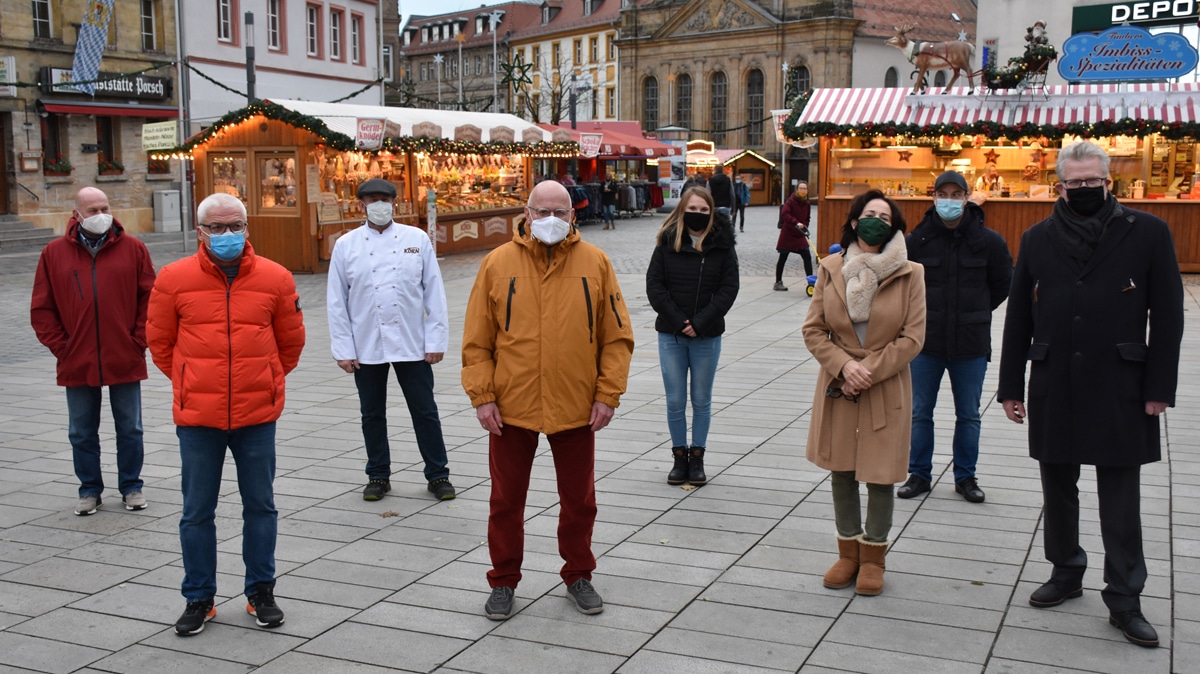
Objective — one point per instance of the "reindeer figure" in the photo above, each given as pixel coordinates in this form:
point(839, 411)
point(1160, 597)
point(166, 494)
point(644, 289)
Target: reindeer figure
point(955, 56)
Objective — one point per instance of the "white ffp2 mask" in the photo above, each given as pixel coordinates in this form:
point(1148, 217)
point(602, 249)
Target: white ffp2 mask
point(379, 213)
point(98, 223)
point(550, 230)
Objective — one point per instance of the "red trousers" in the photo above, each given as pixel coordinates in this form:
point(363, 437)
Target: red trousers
point(511, 459)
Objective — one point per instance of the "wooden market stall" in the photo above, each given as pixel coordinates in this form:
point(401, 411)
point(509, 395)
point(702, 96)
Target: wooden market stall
point(898, 142)
point(297, 165)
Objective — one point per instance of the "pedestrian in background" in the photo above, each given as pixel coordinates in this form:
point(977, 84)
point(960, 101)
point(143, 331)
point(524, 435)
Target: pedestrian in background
point(691, 282)
point(742, 190)
point(794, 217)
point(865, 324)
point(608, 203)
point(967, 273)
point(1096, 308)
point(723, 195)
point(225, 326)
point(546, 349)
point(90, 294)
point(387, 311)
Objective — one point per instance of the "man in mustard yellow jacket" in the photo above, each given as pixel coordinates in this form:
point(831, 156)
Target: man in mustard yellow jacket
point(546, 349)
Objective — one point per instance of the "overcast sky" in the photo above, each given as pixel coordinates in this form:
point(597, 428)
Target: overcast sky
point(429, 7)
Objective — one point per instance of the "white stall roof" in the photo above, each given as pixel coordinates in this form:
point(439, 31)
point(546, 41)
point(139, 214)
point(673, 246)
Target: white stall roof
point(342, 118)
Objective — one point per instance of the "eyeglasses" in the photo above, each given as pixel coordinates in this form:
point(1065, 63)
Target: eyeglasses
point(221, 227)
point(1086, 182)
point(835, 392)
point(560, 213)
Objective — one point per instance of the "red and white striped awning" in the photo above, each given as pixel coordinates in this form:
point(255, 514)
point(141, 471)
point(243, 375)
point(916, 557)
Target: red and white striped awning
point(1063, 104)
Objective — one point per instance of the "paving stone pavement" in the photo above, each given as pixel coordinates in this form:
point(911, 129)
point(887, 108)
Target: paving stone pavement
point(724, 578)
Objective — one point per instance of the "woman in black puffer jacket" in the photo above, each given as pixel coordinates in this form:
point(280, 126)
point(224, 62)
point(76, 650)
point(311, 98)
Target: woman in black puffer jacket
point(692, 282)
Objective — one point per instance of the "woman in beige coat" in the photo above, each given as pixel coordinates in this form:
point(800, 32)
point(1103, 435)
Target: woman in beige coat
point(865, 323)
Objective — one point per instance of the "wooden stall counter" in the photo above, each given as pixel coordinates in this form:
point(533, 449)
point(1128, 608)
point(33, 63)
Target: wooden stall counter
point(1012, 216)
point(466, 231)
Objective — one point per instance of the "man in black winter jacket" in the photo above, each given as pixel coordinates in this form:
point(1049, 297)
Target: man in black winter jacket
point(721, 188)
point(968, 269)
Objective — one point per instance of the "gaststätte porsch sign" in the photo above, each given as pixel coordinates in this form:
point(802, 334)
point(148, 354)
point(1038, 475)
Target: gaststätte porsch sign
point(1126, 53)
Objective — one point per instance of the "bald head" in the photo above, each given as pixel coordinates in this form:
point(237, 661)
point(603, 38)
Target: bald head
point(550, 195)
point(89, 201)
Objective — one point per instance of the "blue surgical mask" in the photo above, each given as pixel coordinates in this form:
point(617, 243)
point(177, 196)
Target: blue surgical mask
point(227, 246)
point(949, 209)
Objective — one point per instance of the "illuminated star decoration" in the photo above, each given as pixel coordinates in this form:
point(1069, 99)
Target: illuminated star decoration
point(905, 155)
point(962, 36)
point(991, 156)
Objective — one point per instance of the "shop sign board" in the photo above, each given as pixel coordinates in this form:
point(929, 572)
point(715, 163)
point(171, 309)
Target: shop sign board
point(160, 136)
point(8, 73)
point(371, 133)
point(1089, 18)
point(1126, 53)
point(589, 144)
point(109, 84)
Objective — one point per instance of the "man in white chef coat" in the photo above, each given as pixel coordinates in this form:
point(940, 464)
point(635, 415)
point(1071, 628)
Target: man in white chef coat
point(387, 311)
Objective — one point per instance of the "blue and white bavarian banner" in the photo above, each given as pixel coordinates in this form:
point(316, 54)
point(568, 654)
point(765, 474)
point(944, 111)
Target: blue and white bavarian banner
point(93, 36)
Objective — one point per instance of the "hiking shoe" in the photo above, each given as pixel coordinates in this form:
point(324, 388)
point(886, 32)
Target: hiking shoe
point(262, 606)
point(194, 616)
point(780, 286)
point(375, 489)
point(586, 599)
point(442, 489)
point(87, 505)
point(134, 500)
point(500, 605)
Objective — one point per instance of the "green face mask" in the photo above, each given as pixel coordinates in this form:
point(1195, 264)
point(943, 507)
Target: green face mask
point(873, 231)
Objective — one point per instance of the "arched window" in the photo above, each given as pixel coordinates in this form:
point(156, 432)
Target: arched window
point(799, 80)
point(718, 95)
point(650, 103)
point(891, 78)
point(683, 101)
point(939, 78)
point(754, 91)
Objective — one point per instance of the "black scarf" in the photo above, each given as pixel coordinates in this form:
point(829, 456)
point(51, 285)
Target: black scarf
point(1081, 234)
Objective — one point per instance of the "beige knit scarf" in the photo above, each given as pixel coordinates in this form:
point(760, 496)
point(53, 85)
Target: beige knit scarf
point(865, 271)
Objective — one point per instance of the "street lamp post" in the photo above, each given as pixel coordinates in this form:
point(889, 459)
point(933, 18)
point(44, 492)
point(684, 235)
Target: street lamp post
point(784, 188)
point(437, 67)
point(460, 38)
point(494, 23)
point(249, 57)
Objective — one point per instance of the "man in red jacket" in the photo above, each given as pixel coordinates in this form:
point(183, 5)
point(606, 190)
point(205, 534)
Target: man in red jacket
point(225, 326)
point(89, 308)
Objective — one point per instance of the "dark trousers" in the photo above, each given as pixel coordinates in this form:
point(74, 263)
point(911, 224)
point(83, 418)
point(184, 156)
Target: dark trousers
point(740, 211)
point(1119, 492)
point(510, 460)
point(416, 381)
point(783, 256)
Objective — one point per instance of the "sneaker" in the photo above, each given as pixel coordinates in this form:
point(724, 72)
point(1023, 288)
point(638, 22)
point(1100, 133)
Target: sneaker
point(262, 606)
point(194, 616)
point(586, 599)
point(87, 505)
point(500, 605)
point(442, 489)
point(134, 500)
point(780, 286)
point(375, 489)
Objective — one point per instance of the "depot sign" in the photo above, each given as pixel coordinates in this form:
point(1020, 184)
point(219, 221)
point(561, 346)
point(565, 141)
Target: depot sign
point(1092, 18)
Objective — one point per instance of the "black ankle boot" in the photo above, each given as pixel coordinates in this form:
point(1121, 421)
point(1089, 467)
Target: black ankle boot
point(679, 472)
point(696, 474)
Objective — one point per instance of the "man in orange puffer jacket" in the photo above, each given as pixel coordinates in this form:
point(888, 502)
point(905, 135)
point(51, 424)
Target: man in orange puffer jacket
point(225, 325)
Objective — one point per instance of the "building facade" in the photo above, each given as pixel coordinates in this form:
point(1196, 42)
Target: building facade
point(56, 139)
point(454, 61)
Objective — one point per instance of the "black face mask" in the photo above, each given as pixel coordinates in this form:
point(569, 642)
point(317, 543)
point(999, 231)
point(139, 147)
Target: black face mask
point(1087, 201)
point(695, 221)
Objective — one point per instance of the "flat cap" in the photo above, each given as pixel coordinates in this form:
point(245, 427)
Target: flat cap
point(376, 186)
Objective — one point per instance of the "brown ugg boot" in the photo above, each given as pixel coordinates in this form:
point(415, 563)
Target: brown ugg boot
point(843, 571)
point(870, 567)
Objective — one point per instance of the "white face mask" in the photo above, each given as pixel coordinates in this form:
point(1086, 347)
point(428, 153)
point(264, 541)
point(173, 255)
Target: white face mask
point(550, 230)
point(98, 223)
point(379, 213)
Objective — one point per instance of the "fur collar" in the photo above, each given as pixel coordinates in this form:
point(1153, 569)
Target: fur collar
point(864, 272)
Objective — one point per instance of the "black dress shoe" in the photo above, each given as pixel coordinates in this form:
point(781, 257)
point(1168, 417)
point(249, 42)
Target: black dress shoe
point(1135, 628)
point(1053, 594)
point(915, 486)
point(969, 489)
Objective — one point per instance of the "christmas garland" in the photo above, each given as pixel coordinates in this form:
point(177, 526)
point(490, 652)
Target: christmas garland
point(1035, 59)
point(343, 143)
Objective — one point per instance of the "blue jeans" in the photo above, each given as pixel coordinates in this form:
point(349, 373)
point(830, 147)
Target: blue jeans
point(83, 430)
point(676, 355)
point(202, 454)
point(966, 384)
point(609, 211)
point(416, 381)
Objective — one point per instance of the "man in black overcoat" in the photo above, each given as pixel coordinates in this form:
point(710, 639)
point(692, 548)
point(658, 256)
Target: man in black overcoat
point(1088, 281)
